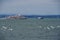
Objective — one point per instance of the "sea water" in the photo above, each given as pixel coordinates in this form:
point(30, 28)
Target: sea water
point(30, 29)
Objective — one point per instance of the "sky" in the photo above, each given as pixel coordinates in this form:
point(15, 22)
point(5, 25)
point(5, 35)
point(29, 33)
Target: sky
point(30, 7)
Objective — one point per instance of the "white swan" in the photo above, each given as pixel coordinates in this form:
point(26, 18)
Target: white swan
point(4, 27)
point(10, 29)
point(52, 27)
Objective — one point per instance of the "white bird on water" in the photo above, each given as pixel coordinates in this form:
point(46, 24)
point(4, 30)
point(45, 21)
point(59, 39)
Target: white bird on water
point(10, 29)
point(48, 28)
point(40, 26)
point(58, 26)
point(4, 28)
point(52, 27)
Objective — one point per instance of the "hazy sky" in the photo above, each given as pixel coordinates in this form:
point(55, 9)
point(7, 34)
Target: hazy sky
point(29, 7)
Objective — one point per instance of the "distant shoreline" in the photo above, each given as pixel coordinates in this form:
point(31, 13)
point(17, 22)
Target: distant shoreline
point(31, 16)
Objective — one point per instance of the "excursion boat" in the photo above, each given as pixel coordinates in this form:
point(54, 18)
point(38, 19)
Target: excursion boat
point(16, 17)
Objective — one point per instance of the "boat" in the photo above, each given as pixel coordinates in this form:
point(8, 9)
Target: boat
point(16, 17)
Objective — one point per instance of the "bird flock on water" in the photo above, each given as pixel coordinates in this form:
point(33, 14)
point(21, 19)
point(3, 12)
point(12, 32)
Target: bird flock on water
point(4, 28)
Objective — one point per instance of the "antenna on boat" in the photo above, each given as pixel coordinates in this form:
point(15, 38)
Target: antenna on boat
point(19, 14)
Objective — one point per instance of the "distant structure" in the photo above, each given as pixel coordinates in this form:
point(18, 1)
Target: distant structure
point(18, 16)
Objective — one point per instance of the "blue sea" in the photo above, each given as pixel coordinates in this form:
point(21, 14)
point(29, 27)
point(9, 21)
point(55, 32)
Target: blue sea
point(30, 29)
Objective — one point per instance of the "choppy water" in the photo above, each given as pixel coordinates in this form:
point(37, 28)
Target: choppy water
point(30, 29)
